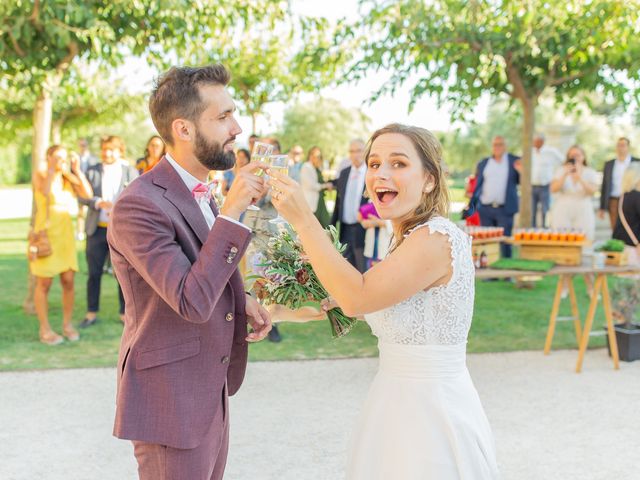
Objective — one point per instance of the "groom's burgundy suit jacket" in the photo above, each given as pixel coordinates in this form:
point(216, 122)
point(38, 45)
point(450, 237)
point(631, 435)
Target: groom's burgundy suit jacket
point(185, 322)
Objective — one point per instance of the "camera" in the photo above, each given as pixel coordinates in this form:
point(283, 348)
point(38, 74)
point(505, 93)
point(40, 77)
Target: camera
point(571, 161)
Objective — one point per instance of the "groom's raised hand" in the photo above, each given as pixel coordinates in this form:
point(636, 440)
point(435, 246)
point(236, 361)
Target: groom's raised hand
point(247, 186)
point(259, 319)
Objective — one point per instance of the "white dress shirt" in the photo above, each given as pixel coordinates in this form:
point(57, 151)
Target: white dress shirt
point(544, 162)
point(192, 182)
point(111, 180)
point(619, 167)
point(353, 194)
point(495, 178)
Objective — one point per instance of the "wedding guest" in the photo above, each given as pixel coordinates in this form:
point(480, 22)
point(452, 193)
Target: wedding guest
point(260, 223)
point(378, 234)
point(349, 197)
point(253, 138)
point(314, 186)
point(153, 152)
point(472, 219)
point(356, 148)
point(242, 158)
point(574, 185)
point(87, 159)
point(496, 193)
point(56, 189)
point(296, 160)
point(611, 187)
point(108, 179)
point(627, 227)
point(545, 160)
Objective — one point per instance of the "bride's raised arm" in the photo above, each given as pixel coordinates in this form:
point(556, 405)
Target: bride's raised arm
point(423, 260)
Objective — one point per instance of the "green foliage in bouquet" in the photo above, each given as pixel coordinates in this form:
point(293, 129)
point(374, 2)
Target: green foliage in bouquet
point(284, 276)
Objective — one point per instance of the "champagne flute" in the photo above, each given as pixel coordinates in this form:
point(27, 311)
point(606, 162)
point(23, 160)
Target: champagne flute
point(261, 153)
point(279, 163)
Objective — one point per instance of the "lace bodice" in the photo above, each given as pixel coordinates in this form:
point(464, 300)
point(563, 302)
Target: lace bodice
point(439, 315)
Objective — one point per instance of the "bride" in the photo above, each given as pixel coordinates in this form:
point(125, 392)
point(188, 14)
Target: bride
point(422, 418)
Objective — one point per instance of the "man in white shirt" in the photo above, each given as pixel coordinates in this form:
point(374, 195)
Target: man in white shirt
point(107, 179)
point(87, 159)
point(544, 162)
point(496, 193)
point(349, 198)
point(612, 180)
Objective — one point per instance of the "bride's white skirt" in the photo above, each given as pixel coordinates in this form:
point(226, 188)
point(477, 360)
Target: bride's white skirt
point(422, 419)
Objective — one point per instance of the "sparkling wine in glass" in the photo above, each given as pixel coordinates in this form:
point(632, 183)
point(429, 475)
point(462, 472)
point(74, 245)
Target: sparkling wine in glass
point(279, 163)
point(261, 153)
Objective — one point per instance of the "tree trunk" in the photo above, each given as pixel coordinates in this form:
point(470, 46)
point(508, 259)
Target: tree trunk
point(254, 120)
point(56, 131)
point(42, 115)
point(529, 110)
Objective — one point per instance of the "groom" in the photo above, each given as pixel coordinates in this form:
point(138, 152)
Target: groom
point(184, 344)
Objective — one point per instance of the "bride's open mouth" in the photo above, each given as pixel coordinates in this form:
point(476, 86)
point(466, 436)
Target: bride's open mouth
point(386, 196)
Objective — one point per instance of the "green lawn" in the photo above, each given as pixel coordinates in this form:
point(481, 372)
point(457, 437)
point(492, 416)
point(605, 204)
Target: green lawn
point(505, 319)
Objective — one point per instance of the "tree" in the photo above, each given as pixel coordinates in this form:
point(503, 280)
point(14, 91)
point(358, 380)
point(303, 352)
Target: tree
point(461, 49)
point(324, 123)
point(274, 60)
point(83, 98)
point(41, 40)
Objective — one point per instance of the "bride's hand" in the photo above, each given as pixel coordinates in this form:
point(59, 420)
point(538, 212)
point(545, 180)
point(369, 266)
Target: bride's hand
point(328, 304)
point(288, 198)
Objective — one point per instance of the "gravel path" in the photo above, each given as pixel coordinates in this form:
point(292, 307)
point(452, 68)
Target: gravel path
point(291, 420)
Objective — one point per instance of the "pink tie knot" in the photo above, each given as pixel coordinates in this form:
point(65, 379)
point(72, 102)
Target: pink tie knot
point(203, 190)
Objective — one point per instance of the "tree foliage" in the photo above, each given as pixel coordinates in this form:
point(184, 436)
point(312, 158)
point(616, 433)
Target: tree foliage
point(39, 41)
point(274, 60)
point(324, 123)
point(460, 49)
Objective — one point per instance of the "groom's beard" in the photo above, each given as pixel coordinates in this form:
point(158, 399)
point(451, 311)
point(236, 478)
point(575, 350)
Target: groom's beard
point(212, 154)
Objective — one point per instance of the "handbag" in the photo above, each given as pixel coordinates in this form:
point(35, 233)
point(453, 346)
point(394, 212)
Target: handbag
point(38, 241)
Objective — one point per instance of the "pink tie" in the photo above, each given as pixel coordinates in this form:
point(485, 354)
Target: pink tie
point(203, 190)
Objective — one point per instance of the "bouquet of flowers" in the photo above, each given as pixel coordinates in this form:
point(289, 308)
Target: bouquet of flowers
point(284, 276)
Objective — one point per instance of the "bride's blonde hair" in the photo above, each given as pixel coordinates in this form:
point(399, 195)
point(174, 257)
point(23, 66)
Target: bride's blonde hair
point(435, 202)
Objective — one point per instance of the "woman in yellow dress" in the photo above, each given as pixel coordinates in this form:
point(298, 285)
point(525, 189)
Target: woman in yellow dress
point(55, 192)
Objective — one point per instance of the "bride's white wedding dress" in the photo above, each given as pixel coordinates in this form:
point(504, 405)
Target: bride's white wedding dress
point(422, 418)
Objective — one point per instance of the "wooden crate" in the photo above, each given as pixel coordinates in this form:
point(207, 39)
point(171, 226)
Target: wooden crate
point(616, 258)
point(490, 246)
point(561, 255)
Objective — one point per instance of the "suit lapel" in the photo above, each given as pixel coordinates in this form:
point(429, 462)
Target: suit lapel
point(124, 180)
point(97, 184)
point(179, 195)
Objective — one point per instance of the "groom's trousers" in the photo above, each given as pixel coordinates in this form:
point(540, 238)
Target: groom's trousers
point(205, 462)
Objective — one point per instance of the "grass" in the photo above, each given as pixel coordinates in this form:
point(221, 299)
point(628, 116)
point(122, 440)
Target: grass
point(505, 319)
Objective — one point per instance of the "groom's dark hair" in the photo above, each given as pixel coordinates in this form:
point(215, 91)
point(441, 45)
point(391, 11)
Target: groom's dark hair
point(176, 95)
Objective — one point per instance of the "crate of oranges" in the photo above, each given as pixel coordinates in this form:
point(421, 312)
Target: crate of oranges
point(485, 244)
point(563, 247)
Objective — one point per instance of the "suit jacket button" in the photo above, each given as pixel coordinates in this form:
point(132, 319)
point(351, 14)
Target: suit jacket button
point(234, 249)
point(225, 359)
point(228, 317)
point(229, 259)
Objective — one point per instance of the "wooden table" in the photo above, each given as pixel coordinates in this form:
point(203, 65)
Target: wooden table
point(600, 290)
